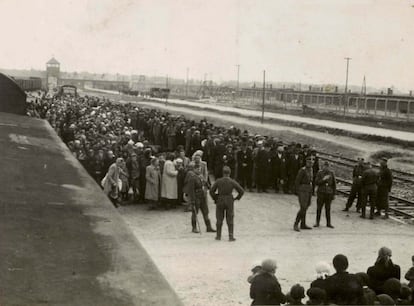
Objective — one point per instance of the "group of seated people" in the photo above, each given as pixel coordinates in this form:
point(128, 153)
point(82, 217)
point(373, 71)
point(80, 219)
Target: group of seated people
point(380, 285)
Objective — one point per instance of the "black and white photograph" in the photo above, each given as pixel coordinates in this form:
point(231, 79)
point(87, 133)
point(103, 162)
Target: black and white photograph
point(206, 152)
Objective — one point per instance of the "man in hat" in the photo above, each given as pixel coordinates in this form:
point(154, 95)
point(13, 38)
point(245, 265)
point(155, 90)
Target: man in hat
point(244, 166)
point(356, 188)
point(263, 167)
point(279, 169)
point(303, 187)
point(134, 173)
point(326, 182)
point(225, 202)
point(384, 187)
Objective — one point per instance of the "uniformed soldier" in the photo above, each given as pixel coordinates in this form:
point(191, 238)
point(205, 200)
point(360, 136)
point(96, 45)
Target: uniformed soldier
point(356, 187)
point(369, 182)
point(225, 202)
point(197, 198)
point(384, 187)
point(326, 182)
point(303, 187)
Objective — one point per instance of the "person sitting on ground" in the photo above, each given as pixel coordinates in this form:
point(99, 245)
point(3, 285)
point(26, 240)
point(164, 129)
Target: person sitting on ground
point(410, 275)
point(317, 296)
point(406, 296)
point(369, 294)
point(343, 288)
point(265, 288)
point(295, 296)
point(382, 270)
point(392, 287)
point(322, 272)
point(384, 299)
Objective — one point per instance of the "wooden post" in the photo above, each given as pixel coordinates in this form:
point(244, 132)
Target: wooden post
point(263, 96)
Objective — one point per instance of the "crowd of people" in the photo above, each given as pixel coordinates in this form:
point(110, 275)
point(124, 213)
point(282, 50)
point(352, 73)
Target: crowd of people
point(380, 285)
point(153, 153)
point(168, 161)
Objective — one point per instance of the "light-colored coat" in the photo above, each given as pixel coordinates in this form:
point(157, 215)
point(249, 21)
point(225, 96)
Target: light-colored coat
point(169, 181)
point(111, 178)
point(152, 186)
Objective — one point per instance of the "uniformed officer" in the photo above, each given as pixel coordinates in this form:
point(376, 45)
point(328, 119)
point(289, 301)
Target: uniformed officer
point(225, 202)
point(384, 187)
point(326, 182)
point(356, 187)
point(197, 198)
point(303, 187)
point(369, 182)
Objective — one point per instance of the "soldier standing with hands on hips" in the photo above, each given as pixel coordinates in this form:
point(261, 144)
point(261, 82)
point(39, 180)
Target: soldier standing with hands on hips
point(326, 182)
point(225, 202)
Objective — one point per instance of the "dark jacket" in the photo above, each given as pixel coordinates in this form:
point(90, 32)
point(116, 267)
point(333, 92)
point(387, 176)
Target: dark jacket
point(343, 288)
point(380, 272)
point(303, 180)
point(369, 179)
point(279, 166)
point(244, 160)
point(385, 179)
point(326, 186)
point(265, 290)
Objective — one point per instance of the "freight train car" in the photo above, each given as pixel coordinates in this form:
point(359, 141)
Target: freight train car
point(156, 92)
point(29, 84)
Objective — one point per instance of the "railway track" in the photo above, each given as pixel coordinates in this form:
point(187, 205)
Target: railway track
point(399, 175)
point(402, 209)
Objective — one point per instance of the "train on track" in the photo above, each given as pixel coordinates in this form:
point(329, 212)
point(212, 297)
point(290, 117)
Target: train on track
point(29, 84)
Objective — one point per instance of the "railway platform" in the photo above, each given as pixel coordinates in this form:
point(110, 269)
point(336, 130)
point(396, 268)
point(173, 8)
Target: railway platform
point(61, 240)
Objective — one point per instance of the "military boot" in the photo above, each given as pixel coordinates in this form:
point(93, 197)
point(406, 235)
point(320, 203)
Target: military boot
point(231, 230)
point(218, 235)
point(209, 228)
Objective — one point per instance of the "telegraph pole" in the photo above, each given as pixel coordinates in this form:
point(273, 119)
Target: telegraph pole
point(238, 78)
point(186, 84)
point(167, 93)
point(263, 94)
point(346, 84)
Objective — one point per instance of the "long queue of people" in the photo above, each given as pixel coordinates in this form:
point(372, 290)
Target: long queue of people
point(99, 132)
point(380, 285)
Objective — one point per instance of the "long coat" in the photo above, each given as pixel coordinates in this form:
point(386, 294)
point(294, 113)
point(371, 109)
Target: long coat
point(265, 290)
point(153, 178)
point(169, 181)
point(111, 179)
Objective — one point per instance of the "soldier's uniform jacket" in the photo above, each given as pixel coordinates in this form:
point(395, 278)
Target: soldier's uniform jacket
point(369, 179)
point(356, 173)
point(385, 178)
point(303, 180)
point(326, 186)
point(194, 188)
point(225, 186)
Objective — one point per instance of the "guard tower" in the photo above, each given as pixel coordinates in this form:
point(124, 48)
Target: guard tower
point(52, 74)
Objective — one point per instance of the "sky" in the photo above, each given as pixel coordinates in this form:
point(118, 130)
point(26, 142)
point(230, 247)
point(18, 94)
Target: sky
point(293, 40)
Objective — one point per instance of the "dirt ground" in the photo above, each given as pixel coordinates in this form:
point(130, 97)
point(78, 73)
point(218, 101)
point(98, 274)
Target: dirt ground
point(208, 272)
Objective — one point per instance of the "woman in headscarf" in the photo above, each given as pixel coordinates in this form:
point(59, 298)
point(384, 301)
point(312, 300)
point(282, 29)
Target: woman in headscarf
point(169, 182)
point(111, 181)
point(382, 270)
point(153, 182)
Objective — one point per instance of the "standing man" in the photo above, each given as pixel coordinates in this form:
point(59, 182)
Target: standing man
point(369, 182)
point(303, 186)
point(326, 182)
point(356, 186)
point(244, 166)
point(225, 202)
point(384, 187)
point(279, 167)
point(197, 198)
